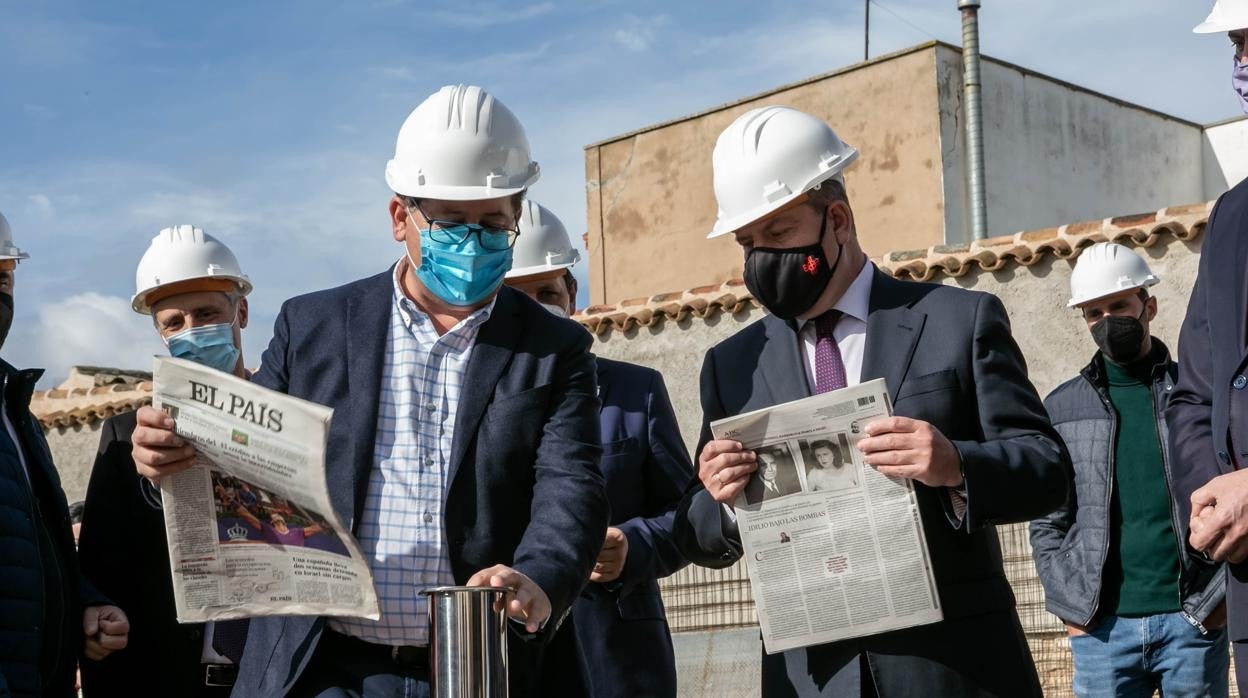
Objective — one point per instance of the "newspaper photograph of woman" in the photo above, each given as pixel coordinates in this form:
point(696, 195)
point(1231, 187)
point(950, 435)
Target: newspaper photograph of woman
point(829, 463)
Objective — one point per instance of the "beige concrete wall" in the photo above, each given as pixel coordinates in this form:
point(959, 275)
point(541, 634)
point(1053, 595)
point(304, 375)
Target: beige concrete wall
point(1055, 153)
point(73, 452)
point(650, 195)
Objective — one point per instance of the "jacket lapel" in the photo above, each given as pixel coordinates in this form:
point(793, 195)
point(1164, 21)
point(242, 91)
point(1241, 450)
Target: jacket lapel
point(780, 362)
point(893, 330)
point(491, 355)
point(368, 333)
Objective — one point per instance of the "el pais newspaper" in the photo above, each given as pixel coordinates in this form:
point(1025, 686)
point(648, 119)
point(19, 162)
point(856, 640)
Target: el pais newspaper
point(834, 549)
point(250, 526)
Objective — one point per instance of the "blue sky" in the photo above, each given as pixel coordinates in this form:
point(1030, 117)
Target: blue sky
point(269, 123)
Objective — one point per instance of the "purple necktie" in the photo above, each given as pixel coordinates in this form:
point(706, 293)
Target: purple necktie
point(829, 368)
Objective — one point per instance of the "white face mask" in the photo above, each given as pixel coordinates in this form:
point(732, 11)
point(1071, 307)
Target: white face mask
point(561, 312)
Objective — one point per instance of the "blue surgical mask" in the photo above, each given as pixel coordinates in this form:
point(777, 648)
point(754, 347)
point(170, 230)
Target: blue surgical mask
point(463, 273)
point(209, 345)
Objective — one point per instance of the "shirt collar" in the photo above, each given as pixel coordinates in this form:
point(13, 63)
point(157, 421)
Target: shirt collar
point(856, 301)
point(412, 314)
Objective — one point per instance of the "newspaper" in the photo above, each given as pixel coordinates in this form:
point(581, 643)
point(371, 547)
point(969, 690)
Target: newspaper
point(834, 549)
point(250, 526)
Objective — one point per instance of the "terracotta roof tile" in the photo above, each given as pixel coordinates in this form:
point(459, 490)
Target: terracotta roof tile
point(1184, 223)
point(85, 406)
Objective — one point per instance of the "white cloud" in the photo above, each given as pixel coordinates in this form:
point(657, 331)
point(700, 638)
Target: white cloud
point(485, 14)
point(42, 204)
point(83, 329)
point(632, 40)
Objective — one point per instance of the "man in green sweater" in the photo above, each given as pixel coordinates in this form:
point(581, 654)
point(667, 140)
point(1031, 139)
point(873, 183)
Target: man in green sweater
point(1143, 615)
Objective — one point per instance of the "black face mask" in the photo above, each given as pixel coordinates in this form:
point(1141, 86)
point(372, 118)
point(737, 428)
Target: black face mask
point(6, 316)
point(1120, 338)
point(789, 280)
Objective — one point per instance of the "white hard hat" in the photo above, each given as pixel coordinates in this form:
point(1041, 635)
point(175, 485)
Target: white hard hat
point(1107, 268)
point(543, 244)
point(769, 157)
point(1227, 15)
point(184, 259)
point(9, 251)
point(461, 144)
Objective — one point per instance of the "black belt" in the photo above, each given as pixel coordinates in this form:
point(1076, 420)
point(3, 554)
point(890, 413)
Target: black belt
point(223, 675)
point(408, 658)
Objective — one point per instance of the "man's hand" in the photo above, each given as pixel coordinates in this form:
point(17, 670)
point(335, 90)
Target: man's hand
point(724, 467)
point(1219, 520)
point(156, 449)
point(911, 449)
point(106, 629)
point(611, 558)
point(527, 604)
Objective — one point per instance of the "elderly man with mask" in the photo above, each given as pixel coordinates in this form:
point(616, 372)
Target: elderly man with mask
point(47, 610)
point(191, 286)
point(1208, 413)
point(465, 442)
point(619, 621)
point(969, 431)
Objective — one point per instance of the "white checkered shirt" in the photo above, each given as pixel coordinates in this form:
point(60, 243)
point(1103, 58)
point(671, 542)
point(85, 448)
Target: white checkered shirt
point(400, 529)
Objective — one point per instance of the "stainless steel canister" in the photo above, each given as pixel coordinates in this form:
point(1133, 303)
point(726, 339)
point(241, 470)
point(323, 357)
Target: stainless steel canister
point(467, 642)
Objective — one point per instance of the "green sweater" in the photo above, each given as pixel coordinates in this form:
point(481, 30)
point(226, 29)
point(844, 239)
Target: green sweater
point(1142, 569)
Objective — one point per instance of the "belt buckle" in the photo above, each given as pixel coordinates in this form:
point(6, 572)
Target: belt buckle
point(220, 675)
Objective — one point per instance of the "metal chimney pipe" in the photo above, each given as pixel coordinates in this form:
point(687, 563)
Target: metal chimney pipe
point(972, 98)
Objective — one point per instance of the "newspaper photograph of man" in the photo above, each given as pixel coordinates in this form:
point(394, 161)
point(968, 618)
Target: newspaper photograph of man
point(776, 476)
point(829, 464)
point(248, 514)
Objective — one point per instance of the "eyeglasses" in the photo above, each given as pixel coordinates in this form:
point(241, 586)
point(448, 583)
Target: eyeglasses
point(454, 233)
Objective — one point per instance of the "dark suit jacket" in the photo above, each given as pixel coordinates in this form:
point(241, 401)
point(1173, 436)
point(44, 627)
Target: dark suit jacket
point(525, 489)
point(1208, 412)
point(949, 359)
point(621, 626)
point(123, 552)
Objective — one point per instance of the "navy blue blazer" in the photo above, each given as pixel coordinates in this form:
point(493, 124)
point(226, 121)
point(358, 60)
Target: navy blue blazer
point(621, 626)
point(1208, 412)
point(525, 489)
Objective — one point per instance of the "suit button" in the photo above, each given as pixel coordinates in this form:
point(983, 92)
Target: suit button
point(726, 556)
point(1240, 383)
point(1224, 457)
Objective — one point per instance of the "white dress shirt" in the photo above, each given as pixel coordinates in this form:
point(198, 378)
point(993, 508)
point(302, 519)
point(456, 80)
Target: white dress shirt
point(850, 332)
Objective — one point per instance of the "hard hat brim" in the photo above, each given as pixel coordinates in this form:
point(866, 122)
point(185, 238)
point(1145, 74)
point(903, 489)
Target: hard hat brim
point(19, 255)
point(400, 183)
point(1209, 27)
point(735, 223)
point(142, 301)
point(538, 269)
point(1147, 283)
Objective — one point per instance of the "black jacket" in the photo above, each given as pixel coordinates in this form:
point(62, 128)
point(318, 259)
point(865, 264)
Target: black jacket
point(41, 590)
point(124, 554)
point(1070, 544)
point(949, 359)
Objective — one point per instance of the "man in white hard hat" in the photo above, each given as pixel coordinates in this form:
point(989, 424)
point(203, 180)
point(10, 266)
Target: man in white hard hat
point(464, 447)
point(1208, 413)
point(969, 432)
point(1112, 559)
point(49, 614)
point(191, 286)
point(619, 622)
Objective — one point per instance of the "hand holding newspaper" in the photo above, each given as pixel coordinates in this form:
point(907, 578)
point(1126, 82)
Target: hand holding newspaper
point(834, 549)
point(250, 526)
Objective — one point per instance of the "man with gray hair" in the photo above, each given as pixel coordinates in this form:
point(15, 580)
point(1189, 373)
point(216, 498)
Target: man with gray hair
point(191, 286)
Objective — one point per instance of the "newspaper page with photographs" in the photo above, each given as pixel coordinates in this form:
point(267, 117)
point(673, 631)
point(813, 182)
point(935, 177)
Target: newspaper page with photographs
point(834, 549)
point(250, 526)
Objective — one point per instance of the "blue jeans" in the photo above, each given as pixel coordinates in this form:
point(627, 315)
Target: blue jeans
point(1131, 657)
